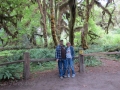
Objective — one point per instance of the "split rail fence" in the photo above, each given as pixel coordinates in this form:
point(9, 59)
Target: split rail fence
point(26, 61)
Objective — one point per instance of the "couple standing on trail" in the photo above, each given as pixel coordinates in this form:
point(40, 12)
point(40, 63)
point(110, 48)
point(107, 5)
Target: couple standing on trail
point(64, 56)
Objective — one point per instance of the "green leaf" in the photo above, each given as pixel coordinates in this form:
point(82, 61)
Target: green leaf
point(1, 76)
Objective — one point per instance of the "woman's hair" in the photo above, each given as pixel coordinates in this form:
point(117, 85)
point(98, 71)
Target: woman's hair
point(68, 43)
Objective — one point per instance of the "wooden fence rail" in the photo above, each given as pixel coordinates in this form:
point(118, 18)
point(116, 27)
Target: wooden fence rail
point(27, 60)
point(100, 53)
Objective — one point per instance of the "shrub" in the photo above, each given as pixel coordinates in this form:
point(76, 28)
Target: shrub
point(92, 61)
point(42, 53)
point(10, 72)
point(14, 71)
point(112, 48)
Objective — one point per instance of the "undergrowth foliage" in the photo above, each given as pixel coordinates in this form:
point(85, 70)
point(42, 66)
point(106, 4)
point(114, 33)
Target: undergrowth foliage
point(42, 53)
point(14, 71)
point(10, 72)
point(92, 61)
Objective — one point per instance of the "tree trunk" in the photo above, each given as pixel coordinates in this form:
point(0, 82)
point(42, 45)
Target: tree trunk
point(56, 20)
point(85, 31)
point(53, 30)
point(72, 5)
point(60, 10)
point(43, 13)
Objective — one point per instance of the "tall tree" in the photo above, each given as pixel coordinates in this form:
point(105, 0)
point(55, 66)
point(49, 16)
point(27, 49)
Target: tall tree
point(61, 8)
point(72, 5)
point(43, 22)
point(53, 30)
point(84, 33)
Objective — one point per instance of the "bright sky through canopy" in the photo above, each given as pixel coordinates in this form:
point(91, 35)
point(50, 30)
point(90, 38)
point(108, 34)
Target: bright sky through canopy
point(103, 2)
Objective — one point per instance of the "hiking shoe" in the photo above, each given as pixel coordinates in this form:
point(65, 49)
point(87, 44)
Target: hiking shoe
point(64, 76)
point(73, 75)
point(68, 75)
point(61, 77)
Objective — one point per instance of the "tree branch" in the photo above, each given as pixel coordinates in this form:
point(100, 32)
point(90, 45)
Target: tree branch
point(106, 11)
point(63, 5)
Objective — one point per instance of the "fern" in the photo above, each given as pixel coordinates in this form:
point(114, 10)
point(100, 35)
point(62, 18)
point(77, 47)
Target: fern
point(10, 72)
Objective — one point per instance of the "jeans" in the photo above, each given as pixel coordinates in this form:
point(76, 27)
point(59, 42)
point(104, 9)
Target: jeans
point(62, 67)
point(70, 65)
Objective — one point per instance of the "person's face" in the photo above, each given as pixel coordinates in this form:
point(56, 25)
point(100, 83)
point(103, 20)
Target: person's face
point(68, 44)
point(61, 42)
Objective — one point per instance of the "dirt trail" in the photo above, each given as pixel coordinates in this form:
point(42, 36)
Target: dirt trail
point(105, 77)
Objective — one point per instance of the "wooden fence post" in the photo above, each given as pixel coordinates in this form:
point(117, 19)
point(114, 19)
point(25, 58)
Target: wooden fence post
point(26, 66)
point(81, 62)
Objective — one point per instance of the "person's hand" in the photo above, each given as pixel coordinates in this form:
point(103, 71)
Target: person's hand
point(56, 60)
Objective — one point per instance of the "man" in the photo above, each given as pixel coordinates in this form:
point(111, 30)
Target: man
point(69, 59)
point(60, 56)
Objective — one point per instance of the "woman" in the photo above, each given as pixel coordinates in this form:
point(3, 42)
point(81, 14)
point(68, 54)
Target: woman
point(69, 59)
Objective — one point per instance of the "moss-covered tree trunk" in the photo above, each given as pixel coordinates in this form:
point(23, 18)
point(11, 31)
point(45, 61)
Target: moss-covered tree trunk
point(53, 30)
point(45, 25)
point(72, 5)
point(43, 14)
point(56, 21)
point(60, 10)
point(85, 31)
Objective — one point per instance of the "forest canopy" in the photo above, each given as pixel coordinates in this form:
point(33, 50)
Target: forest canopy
point(42, 23)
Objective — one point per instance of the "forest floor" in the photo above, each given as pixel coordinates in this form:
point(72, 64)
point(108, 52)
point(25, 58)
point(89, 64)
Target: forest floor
point(104, 77)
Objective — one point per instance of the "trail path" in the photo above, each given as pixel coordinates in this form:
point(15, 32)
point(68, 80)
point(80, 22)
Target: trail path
point(105, 77)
